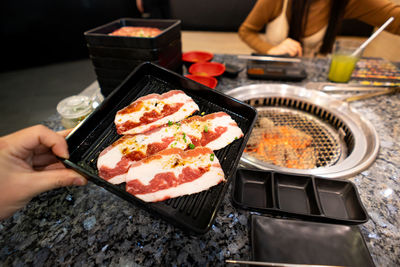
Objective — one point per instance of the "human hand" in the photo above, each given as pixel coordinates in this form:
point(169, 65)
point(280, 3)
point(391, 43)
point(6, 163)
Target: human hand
point(29, 166)
point(288, 46)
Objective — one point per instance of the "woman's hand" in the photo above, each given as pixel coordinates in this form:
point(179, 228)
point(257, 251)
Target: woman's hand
point(29, 166)
point(288, 46)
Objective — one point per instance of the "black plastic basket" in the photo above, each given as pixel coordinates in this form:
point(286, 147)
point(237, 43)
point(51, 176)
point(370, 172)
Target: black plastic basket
point(196, 212)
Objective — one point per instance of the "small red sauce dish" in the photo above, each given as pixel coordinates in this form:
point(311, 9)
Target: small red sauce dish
point(205, 80)
point(207, 69)
point(196, 56)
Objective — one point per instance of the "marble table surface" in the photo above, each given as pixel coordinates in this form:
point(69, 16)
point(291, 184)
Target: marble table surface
point(89, 226)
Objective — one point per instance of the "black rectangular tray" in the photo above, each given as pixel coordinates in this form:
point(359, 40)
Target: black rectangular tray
point(117, 74)
point(117, 63)
point(108, 85)
point(299, 196)
point(274, 70)
point(194, 213)
point(122, 73)
point(302, 242)
point(171, 30)
point(166, 53)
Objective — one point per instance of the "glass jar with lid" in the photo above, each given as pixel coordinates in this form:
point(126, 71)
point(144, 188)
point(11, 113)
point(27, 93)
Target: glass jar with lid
point(74, 109)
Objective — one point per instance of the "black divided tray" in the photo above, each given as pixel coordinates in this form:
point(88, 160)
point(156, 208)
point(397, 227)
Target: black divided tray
point(305, 197)
point(171, 30)
point(194, 213)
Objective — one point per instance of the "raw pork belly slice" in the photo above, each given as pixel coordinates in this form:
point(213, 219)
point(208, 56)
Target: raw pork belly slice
point(174, 172)
point(114, 161)
point(154, 110)
point(215, 131)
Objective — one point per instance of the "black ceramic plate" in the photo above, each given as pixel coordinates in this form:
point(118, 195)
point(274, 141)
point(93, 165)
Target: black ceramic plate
point(196, 212)
point(299, 196)
point(300, 242)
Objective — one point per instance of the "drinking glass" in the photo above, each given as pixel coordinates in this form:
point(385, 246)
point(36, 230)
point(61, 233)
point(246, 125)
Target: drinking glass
point(343, 62)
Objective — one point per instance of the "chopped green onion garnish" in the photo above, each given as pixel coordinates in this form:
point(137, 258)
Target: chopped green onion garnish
point(205, 129)
point(184, 137)
point(191, 146)
point(212, 157)
point(169, 123)
point(236, 138)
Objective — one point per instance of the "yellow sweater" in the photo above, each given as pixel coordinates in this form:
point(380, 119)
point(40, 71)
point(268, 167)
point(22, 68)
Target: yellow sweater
point(372, 12)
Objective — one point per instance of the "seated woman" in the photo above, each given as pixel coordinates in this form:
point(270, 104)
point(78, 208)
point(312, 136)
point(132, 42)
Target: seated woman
point(309, 27)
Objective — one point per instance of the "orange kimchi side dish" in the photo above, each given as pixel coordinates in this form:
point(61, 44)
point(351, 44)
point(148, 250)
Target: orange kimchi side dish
point(130, 31)
point(282, 146)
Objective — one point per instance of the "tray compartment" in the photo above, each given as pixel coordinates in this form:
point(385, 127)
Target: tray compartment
point(254, 189)
point(295, 194)
point(339, 199)
point(194, 213)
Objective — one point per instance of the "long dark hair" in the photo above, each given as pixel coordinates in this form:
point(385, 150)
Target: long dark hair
point(298, 19)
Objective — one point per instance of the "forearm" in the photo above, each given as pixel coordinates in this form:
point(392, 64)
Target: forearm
point(253, 40)
point(263, 12)
point(375, 13)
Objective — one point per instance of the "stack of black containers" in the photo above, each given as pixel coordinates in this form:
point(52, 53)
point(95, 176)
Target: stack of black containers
point(115, 57)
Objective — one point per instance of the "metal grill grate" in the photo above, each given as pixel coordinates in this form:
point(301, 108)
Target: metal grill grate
point(325, 141)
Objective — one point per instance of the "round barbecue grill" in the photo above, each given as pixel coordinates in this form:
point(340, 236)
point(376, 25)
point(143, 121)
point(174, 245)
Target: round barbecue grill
point(338, 141)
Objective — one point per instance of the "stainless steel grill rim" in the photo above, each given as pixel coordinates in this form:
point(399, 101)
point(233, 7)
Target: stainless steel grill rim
point(360, 136)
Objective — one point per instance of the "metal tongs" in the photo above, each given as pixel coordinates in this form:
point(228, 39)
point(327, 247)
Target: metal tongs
point(263, 263)
point(372, 91)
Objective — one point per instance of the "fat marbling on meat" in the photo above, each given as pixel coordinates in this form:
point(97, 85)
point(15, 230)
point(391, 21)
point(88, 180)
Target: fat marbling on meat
point(174, 172)
point(154, 110)
point(214, 131)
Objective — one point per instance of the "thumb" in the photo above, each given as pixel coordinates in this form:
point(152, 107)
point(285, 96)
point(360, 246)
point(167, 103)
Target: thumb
point(52, 179)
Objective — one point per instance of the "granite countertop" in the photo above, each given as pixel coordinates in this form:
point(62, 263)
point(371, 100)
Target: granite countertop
point(90, 226)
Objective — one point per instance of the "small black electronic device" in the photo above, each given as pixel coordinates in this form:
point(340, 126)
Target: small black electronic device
point(232, 70)
point(276, 70)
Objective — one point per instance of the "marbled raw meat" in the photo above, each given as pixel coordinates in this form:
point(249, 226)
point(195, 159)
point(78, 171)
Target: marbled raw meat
point(174, 172)
point(214, 131)
point(154, 110)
